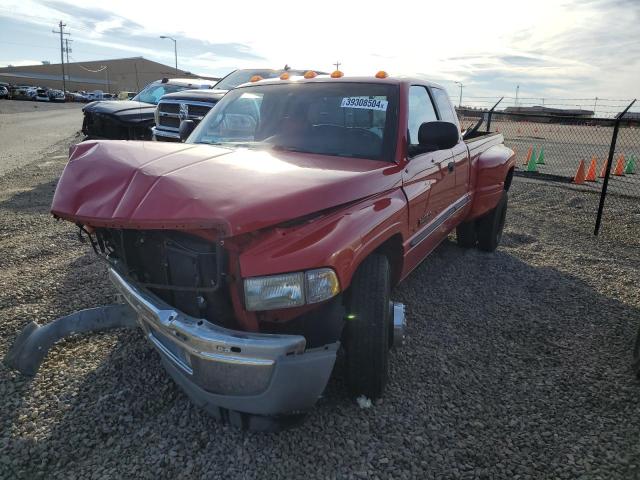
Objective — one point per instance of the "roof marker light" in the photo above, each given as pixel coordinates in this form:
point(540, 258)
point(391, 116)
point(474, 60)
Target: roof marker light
point(337, 74)
point(310, 74)
point(381, 74)
point(284, 76)
point(256, 78)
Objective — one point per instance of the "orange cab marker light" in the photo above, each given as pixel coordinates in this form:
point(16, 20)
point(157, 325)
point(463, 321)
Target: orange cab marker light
point(337, 74)
point(381, 74)
point(310, 74)
point(284, 76)
point(256, 78)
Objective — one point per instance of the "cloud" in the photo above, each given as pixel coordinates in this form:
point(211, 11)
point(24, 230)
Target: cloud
point(570, 48)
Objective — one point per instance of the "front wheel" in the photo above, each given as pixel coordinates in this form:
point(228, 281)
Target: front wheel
point(490, 226)
point(368, 328)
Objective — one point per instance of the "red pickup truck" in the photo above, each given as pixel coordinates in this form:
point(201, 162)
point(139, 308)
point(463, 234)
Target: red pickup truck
point(277, 232)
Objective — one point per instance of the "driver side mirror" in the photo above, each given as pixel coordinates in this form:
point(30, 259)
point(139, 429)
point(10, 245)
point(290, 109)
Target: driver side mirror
point(186, 127)
point(437, 135)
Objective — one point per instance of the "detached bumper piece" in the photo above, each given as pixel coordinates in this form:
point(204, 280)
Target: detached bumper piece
point(254, 381)
point(33, 343)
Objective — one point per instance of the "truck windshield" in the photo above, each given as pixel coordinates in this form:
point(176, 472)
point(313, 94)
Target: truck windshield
point(239, 77)
point(341, 119)
point(152, 92)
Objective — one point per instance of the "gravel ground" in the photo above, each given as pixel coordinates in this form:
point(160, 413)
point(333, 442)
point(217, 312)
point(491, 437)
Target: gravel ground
point(517, 363)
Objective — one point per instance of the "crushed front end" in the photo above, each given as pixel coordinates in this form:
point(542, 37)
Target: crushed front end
point(181, 289)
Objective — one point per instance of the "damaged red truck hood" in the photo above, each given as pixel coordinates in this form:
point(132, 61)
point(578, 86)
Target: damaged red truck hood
point(157, 185)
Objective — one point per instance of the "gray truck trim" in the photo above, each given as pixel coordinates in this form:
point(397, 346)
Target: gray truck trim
point(256, 373)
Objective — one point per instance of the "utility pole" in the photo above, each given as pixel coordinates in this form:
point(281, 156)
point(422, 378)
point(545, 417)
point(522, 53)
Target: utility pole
point(62, 34)
point(595, 104)
point(337, 64)
point(459, 101)
point(67, 50)
point(517, 92)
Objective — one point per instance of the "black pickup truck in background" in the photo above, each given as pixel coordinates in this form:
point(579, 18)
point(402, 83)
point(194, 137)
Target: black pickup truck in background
point(195, 104)
point(133, 119)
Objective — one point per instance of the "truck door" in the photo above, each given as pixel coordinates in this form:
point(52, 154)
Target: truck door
point(429, 178)
point(460, 151)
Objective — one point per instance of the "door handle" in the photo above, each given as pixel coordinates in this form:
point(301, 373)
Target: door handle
point(451, 166)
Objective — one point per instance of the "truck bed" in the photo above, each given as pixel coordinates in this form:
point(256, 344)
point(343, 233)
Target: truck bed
point(481, 141)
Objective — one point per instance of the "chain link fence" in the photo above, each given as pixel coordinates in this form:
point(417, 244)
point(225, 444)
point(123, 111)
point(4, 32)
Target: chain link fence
point(574, 150)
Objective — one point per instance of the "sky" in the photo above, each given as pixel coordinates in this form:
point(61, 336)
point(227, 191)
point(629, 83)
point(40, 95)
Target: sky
point(559, 52)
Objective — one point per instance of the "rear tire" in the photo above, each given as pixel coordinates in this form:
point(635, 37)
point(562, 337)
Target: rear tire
point(368, 328)
point(491, 225)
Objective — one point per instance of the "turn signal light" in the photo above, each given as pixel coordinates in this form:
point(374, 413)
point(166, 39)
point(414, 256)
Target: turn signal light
point(337, 74)
point(284, 76)
point(256, 78)
point(310, 74)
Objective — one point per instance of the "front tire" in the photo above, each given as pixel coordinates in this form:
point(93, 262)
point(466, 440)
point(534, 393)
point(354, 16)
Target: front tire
point(490, 226)
point(466, 234)
point(636, 356)
point(368, 328)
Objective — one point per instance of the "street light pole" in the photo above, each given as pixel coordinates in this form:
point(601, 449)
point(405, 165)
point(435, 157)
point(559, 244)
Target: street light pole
point(175, 49)
point(460, 101)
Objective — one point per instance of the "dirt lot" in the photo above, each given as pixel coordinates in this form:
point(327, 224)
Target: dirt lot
point(565, 145)
point(27, 129)
point(517, 363)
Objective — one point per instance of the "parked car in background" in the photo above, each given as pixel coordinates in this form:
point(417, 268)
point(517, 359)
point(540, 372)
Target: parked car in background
point(95, 95)
point(80, 96)
point(133, 119)
point(194, 104)
point(56, 95)
point(41, 95)
point(4, 92)
point(126, 95)
point(22, 92)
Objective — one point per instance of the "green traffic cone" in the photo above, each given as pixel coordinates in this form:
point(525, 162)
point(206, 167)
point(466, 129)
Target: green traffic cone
point(534, 155)
point(541, 157)
point(631, 165)
point(532, 166)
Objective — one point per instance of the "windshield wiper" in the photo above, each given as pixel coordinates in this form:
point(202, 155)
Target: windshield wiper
point(291, 149)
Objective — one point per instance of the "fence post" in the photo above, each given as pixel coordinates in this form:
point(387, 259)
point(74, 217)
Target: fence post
point(612, 150)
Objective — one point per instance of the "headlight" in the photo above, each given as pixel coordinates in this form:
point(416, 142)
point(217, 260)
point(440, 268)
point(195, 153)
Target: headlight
point(290, 289)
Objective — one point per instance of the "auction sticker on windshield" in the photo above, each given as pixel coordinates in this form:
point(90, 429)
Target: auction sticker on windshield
point(364, 102)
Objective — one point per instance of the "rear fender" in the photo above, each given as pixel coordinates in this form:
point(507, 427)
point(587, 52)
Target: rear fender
point(494, 167)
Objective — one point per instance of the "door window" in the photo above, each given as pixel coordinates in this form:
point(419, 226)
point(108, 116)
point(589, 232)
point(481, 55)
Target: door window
point(444, 105)
point(420, 111)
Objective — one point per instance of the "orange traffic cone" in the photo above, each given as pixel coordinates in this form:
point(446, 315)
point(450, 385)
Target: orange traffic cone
point(591, 174)
point(579, 178)
point(529, 152)
point(604, 169)
point(619, 171)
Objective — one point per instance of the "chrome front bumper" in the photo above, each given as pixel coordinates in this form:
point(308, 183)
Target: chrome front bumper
point(254, 373)
point(164, 134)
